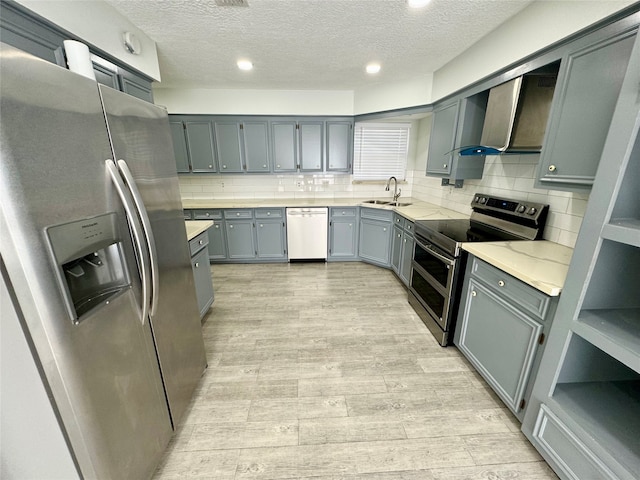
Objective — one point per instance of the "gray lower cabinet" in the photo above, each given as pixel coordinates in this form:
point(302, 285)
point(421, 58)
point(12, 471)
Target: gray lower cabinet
point(217, 241)
point(201, 272)
point(500, 330)
point(241, 243)
point(402, 248)
point(271, 234)
point(588, 86)
point(375, 236)
point(343, 234)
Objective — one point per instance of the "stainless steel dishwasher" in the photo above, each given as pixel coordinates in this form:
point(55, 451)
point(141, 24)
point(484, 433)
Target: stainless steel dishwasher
point(307, 233)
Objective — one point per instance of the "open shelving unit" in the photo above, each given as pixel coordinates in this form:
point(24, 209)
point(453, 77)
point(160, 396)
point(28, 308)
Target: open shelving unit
point(588, 420)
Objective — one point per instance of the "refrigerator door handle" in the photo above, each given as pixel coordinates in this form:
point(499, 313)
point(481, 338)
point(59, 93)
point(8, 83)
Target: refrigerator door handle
point(148, 233)
point(120, 187)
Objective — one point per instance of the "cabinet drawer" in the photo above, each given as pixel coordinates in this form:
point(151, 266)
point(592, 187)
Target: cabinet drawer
point(398, 220)
point(207, 214)
point(238, 213)
point(565, 448)
point(376, 214)
point(198, 243)
point(408, 226)
point(344, 211)
point(187, 214)
point(530, 299)
point(269, 213)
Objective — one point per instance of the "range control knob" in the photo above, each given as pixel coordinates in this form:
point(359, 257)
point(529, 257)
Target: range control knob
point(483, 200)
point(477, 199)
point(522, 208)
point(532, 211)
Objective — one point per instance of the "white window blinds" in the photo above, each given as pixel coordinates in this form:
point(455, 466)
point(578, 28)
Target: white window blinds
point(380, 150)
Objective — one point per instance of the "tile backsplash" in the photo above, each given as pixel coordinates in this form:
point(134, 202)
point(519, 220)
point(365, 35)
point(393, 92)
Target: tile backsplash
point(509, 176)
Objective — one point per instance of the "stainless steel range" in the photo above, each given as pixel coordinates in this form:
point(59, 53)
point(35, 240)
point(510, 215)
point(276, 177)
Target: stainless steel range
point(439, 261)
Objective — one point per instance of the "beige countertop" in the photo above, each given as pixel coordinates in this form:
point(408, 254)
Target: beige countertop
point(541, 264)
point(416, 211)
point(196, 227)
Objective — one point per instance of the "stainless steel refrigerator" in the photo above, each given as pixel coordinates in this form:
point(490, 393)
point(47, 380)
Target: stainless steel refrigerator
point(95, 269)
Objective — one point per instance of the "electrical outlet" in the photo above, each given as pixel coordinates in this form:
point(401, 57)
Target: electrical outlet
point(299, 183)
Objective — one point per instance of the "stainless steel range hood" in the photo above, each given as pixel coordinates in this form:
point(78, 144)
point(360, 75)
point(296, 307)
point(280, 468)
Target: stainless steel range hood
point(516, 116)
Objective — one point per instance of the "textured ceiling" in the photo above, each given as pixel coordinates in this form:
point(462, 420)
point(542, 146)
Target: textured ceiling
point(309, 44)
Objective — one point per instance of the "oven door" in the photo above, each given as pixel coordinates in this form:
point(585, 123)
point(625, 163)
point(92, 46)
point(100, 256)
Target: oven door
point(432, 278)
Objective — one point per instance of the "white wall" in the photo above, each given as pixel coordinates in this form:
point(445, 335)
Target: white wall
point(101, 25)
point(389, 96)
point(537, 26)
point(255, 102)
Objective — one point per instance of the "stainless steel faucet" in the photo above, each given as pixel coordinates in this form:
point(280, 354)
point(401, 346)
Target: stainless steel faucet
point(396, 191)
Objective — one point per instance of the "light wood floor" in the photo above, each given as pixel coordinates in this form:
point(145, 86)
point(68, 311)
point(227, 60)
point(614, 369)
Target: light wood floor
point(324, 372)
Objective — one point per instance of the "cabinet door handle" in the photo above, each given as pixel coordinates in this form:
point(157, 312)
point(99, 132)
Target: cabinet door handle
point(399, 235)
point(230, 226)
point(200, 242)
point(268, 214)
point(277, 166)
point(473, 293)
point(237, 214)
point(384, 229)
point(207, 214)
point(210, 166)
point(264, 166)
point(261, 225)
point(405, 240)
point(444, 166)
point(197, 264)
point(217, 226)
point(350, 225)
point(501, 283)
point(224, 166)
point(552, 168)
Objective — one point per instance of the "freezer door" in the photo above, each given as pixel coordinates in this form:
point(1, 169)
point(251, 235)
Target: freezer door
point(141, 138)
point(102, 371)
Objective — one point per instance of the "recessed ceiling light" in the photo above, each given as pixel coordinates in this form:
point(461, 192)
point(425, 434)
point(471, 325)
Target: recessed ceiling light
point(373, 68)
point(417, 3)
point(244, 65)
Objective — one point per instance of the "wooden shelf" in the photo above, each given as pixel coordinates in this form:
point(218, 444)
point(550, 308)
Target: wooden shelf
point(609, 412)
point(623, 230)
point(614, 331)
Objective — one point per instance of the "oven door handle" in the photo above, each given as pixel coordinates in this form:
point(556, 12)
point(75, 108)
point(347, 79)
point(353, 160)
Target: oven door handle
point(430, 249)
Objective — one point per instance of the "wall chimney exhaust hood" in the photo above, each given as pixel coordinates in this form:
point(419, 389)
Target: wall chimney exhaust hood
point(516, 116)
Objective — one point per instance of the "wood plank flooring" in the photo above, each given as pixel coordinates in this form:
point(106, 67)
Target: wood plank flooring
point(324, 372)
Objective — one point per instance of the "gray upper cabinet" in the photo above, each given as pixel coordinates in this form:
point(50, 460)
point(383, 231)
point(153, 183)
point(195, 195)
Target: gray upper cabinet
point(229, 145)
point(442, 138)
point(284, 145)
point(105, 76)
point(456, 125)
point(136, 86)
point(588, 87)
point(256, 146)
point(199, 137)
point(311, 134)
point(339, 145)
point(179, 145)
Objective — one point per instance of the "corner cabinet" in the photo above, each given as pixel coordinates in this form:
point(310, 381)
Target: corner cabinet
point(588, 86)
point(501, 328)
point(374, 244)
point(455, 125)
point(343, 234)
point(584, 413)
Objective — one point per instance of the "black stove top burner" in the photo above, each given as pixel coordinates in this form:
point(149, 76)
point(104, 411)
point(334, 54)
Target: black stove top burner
point(465, 230)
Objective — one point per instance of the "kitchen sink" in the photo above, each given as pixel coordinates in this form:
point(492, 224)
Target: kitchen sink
point(377, 202)
point(398, 204)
